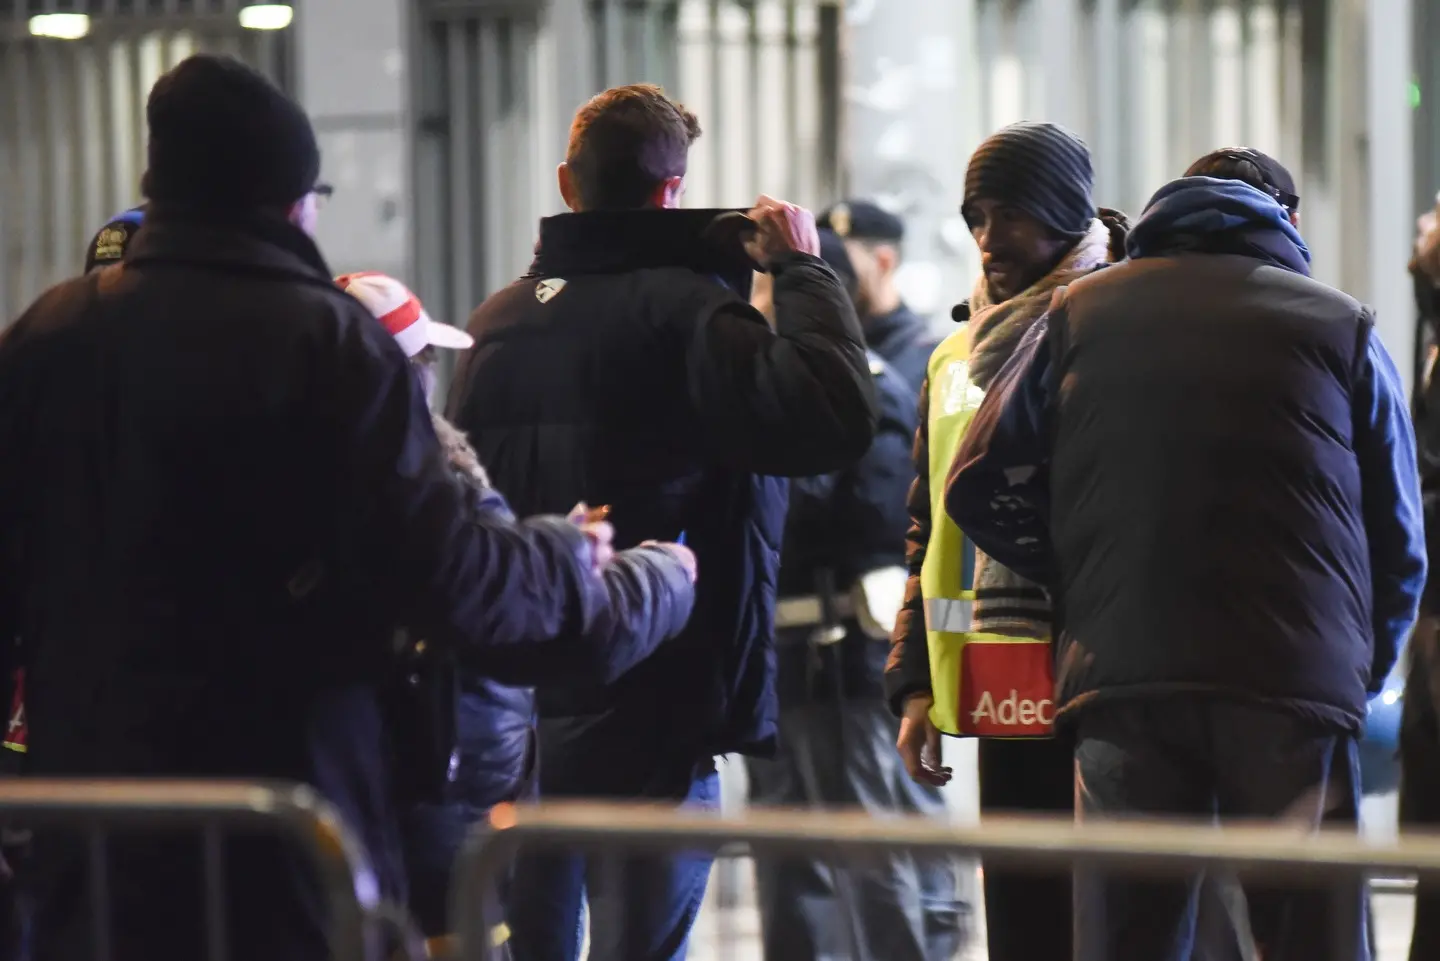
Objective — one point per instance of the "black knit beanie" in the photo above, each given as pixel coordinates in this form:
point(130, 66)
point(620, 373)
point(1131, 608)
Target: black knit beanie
point(1041, 168)
point(223, 138)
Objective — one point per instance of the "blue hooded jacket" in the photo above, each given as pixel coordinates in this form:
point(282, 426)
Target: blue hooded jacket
point(1208, 457)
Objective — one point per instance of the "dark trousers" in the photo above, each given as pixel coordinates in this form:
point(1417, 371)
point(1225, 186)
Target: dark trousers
point(898, 907)
point(1420, 774)
point(1027, 914)
point(1206, 758)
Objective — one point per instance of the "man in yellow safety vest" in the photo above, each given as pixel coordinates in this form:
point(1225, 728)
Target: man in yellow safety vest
point(1029, 207)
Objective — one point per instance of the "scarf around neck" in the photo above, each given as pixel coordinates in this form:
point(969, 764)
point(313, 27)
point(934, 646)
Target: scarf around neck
point(1005, 602)
point(997, 328)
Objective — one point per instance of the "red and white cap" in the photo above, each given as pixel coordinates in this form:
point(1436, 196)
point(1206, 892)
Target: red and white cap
point(400, 312)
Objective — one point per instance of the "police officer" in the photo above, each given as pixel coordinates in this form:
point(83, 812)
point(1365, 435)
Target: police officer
point(840, 586)
point(873, 237)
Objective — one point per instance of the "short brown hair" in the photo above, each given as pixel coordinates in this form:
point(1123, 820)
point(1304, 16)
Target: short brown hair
point(625, 142)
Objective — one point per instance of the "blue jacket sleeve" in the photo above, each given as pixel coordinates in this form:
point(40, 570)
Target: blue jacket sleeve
point(1391, 503)
point(998, 488)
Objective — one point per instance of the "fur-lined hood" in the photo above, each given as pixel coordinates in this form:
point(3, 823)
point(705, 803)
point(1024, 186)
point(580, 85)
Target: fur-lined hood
point(458, 452)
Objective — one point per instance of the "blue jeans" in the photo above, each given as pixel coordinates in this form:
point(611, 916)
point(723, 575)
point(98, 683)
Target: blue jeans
point(641, 908)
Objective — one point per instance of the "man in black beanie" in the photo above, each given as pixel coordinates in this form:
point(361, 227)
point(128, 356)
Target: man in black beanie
point(221, 496)
point(225, 143)
point(1029, 207)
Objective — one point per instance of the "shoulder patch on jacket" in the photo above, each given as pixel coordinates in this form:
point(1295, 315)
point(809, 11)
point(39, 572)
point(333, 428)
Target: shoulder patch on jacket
point(546, 290)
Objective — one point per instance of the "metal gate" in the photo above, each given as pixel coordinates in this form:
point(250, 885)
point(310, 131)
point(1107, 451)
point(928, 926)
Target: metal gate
point(72, 121)
point(495, 85)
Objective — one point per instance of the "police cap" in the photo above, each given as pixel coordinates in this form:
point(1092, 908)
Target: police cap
point(863, 220)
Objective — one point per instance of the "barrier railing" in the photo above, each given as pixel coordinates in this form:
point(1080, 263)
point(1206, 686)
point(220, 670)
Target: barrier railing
point(1055, 844)
point(97, 809)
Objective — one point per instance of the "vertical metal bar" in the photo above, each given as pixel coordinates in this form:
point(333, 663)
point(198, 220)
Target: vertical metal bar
point(809, 164)
point(493, 143)
point(669, 14)
point(1245, 77)
point(754, 113)
point(135, 136)
point(90, 140)
point(59, 189)
point(613, 33)
point(792, 100)
point(1056, 35)
point(11, 136)
point(217, 935)
point(1108, 135)
point(832, 88)
point(715, 63)
point(649, 59)
point(462, 138)
point(26, 140)
point(525, 112)
point(101, 940)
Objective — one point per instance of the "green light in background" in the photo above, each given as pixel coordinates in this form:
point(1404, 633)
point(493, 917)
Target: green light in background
point(1414, 91)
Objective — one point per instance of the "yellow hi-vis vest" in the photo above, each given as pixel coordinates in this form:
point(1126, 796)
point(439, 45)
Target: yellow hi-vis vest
point(949, 600)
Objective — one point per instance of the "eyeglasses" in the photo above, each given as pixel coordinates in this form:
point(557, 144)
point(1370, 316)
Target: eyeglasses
point(323, 192)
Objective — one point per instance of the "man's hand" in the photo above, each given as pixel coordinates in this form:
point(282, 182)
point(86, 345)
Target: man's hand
point(681, 553)
point(919, 743)
point(781, 229)
point(592, 523)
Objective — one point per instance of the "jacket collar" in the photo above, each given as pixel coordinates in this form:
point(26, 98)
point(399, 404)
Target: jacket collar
point(887, 332)
point(613, 242)
point(252, 243)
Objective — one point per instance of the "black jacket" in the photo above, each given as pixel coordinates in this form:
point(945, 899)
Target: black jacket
point(627, 369)
point(221, 491)
point(1426, 412)
point(903, 339)
point(849, 522)
point(1222, 495)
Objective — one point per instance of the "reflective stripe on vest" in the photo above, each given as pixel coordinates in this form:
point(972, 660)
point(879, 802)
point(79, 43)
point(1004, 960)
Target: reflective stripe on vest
point(948, 615)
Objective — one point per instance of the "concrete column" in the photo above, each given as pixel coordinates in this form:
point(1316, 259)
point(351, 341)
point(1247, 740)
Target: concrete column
point(912, 122)
point(351, 72)
point(1391, 175)
point(914, 116)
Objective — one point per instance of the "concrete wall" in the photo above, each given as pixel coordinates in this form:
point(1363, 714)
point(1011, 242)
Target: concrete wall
point(351, 76)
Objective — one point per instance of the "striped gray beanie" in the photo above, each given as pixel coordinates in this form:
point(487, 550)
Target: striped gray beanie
point(1041, 168)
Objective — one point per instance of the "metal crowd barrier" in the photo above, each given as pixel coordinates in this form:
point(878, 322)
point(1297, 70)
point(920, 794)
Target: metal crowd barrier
point(96, 809)
point(1056, 844)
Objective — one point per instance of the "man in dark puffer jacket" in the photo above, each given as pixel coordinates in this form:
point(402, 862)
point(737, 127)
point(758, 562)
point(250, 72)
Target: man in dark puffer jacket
point(1223, 500)
point(249, 496)
point(628, 369)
